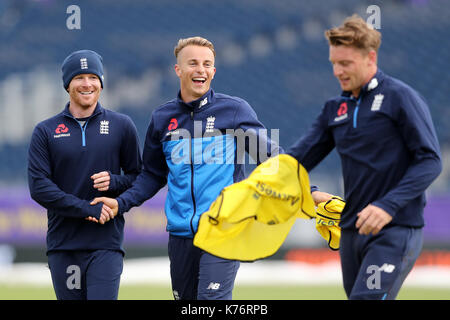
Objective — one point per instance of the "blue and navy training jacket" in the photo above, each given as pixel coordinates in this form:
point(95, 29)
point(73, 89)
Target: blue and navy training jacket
point(388, 148)
point(196, 148)
point(63, 155)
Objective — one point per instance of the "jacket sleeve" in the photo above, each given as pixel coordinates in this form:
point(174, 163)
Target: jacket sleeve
point(153, 176)
point(253, 137)
point(415, 125)
point(44, 191)
point(315, 145)
point(130, 159)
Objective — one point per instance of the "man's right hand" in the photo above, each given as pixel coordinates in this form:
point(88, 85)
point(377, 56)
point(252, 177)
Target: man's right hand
point(319, 196)
point(109, 210)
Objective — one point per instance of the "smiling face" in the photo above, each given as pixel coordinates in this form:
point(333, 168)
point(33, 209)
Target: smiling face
point(84, 91)
point(352, 67)
point(195, 68)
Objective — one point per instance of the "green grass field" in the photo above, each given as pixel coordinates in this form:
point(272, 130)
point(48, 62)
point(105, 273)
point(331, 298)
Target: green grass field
point(148, 292)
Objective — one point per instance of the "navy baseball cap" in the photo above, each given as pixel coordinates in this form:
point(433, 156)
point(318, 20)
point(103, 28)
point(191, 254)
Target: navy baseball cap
point(82, 61)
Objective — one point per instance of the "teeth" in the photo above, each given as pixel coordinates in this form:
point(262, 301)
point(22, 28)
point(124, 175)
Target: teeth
point(86, 93)
point(199, 79)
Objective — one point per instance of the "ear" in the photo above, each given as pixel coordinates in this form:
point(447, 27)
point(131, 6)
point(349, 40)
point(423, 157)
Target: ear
point(177, 70)
point(213, 73)
point(372, 57)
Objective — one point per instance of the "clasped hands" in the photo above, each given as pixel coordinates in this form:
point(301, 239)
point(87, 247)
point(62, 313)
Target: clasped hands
point(110, 206)
point(109, 209)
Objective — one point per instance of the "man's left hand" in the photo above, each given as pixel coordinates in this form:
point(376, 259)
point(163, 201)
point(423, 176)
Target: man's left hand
point(101, 180)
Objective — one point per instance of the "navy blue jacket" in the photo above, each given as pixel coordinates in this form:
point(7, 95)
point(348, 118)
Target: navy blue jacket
point(387, 145)
point(193, 147)
point(63, 156)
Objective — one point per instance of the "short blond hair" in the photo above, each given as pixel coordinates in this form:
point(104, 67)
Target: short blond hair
point(354, 32)
point(194, 41)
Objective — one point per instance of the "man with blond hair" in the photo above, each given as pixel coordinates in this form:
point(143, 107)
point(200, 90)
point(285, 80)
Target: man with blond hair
point(189, 147)
point(383, 132)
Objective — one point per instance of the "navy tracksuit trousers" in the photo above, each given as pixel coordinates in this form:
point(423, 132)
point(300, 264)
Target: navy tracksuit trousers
point(198, 275)
point(375, 266)
point(86, 275)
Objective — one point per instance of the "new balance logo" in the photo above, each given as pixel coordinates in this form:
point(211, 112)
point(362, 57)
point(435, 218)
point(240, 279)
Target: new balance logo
point(213, 286)
point(388, 268)
point(372, 84)
point(203, 102)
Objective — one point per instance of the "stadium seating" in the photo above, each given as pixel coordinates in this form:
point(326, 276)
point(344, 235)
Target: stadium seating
point(272, 53)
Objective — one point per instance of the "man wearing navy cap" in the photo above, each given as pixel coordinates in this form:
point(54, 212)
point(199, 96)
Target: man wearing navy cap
point(74, 157)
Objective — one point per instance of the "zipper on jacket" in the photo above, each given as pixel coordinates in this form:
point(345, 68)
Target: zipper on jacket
point(83, 127)
point(355, 113)
point(192, 180)
point(83, 132)
point(193, 199)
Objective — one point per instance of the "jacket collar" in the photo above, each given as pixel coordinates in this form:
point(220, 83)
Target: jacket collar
point(374, 82)
point(200, 103)
point(98, 109)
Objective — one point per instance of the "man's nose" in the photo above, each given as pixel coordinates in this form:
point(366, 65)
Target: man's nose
point(85, 82)
point(200, 69)
point(337, 70)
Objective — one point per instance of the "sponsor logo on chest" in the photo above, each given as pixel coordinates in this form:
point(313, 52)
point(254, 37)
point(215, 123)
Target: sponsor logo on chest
point(342, 112)
point(61, 131)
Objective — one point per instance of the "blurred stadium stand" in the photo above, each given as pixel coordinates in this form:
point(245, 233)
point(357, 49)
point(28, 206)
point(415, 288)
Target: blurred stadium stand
point(271, 53)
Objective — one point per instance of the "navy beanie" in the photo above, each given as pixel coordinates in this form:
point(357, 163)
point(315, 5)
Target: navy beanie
point(82, 61)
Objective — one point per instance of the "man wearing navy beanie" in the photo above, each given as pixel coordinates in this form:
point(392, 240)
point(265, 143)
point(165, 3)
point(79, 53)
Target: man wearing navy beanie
point(82, 62)
point(75, 156)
